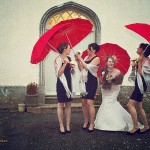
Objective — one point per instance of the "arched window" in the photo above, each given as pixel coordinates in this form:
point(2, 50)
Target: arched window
point(62, 12)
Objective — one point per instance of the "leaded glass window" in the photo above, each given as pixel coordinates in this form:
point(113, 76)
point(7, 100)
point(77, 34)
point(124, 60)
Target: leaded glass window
point(64, 15)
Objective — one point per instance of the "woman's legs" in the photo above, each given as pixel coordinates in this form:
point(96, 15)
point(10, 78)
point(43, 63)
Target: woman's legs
point(142, 116)
point(68, 114)
point(131, 105)
point(85, 112)
point(92, 113)
point(60, 107)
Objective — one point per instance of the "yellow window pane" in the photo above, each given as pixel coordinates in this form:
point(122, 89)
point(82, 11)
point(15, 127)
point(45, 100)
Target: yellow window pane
point(60, 19)
point(56, 17)
point(51, 22)
point(82, 17)
point(74, 15)
point(65, 15)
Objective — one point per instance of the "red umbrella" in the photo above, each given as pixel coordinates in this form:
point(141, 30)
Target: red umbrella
point(140, 28)
point(71, 31)
point(109, 49)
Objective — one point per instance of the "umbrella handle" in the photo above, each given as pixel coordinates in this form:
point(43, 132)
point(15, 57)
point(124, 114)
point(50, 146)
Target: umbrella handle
point(70, 43)
point(52, 46)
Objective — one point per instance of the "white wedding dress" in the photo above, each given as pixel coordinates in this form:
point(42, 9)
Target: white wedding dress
point(111, 115)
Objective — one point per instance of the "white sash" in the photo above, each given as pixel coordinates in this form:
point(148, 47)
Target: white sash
point(146, 76)
point(83, 78)
point(58, 65)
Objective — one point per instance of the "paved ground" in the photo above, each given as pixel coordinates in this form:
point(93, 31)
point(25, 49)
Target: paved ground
point(28, 131)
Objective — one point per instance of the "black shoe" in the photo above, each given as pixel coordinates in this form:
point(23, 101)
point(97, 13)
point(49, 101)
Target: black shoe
point(68, 131)
point(146, 131)
point(85, 128)
point(132, 133)
point(62, 132)
point(90, 131)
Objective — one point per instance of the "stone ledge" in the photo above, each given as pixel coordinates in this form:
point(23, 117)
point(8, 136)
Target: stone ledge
point(51, 108)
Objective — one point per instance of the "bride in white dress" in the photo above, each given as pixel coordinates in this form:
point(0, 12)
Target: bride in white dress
point(111, 115)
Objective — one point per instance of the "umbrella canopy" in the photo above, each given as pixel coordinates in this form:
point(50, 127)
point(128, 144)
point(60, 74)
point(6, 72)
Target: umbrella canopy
point(140, 28)
point(70, 31)
point(109, 49)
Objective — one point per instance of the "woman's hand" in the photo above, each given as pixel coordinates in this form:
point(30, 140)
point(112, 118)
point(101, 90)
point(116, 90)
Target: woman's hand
point(134, 64)
point(61, 70)
point(77, 56)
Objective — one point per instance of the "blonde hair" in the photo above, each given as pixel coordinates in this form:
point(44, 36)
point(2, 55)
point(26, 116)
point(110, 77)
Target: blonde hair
point(113, 57)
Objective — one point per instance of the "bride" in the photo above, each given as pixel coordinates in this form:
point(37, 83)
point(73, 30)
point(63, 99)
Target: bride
point(111, 115)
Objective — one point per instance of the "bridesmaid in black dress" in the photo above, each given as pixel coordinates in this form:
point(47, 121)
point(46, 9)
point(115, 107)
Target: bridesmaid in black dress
point(135, 102)
point(91, 85)
point(64, 69)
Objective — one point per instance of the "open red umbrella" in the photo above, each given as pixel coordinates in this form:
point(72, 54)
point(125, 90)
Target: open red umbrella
point(71, 31)
point(141, 28)
point(109, 49)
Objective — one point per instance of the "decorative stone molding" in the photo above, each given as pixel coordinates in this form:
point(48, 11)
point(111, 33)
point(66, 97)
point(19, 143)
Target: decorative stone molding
point(74, 6)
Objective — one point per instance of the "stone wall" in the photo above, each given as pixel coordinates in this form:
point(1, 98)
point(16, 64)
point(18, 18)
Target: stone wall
point(11, 96)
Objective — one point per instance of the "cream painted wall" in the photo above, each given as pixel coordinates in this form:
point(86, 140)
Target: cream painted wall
point(19, 30)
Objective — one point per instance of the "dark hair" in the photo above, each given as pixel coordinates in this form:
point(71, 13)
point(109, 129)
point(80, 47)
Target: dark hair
point(146, 49)
point(61, 47)
point(94, 46)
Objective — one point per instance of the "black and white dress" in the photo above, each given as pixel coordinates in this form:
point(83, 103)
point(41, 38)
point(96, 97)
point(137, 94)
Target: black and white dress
point(91, 84)
point(136, 94)
point(61, 92)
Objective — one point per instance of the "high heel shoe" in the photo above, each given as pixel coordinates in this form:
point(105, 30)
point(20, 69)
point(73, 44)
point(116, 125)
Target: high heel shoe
point(90, 131)
point(68, 131)
point(62, 132)
point(146, 131)
point(85, 128)
point(132, 133)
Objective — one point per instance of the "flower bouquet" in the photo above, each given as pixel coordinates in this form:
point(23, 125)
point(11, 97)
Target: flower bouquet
point(109, 77)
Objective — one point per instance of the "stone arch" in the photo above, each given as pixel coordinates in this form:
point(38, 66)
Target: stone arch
point(74, 6)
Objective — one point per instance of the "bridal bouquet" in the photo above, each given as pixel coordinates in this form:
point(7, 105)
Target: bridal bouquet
point(109, 77)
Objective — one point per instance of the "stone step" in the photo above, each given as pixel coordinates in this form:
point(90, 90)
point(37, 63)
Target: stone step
point(51, 108)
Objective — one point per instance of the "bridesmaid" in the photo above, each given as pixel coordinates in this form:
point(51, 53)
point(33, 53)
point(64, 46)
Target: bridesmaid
point(141, 83)
point(90, 65)
point(64, 86)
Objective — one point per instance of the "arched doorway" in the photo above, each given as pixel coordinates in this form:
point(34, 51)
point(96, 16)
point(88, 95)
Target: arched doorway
point(53, 16)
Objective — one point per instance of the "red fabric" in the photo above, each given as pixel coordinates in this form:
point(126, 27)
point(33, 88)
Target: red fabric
point(109, 49)
point(140, 28)
point(71, 31)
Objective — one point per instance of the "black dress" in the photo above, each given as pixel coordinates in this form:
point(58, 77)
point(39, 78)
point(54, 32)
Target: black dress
point(91, 84)
point(61, 92)
point(137, 95)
